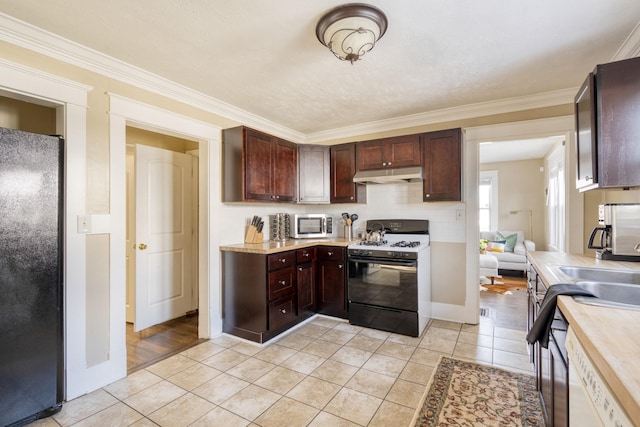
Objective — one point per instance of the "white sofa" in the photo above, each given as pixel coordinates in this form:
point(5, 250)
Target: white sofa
point(516, 260)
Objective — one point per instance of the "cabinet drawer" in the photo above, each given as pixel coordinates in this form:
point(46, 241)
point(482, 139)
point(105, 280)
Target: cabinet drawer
point(306, 255)
point(281, 282)
point(281, 260)
point(281, 312)
point(331, 253)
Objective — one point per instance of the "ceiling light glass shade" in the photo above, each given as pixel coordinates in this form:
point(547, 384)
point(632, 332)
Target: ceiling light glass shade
point(351, 30)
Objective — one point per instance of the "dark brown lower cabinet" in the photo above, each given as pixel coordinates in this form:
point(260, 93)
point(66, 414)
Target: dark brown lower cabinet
point(259, 294)
point(551, 364)
point(264, 295)
point(332, 280)
point(306, 278)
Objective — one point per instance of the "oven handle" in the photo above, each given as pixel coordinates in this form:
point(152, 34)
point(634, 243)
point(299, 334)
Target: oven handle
point(384, 261)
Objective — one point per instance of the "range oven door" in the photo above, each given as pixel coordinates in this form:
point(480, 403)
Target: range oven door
point(383, 294)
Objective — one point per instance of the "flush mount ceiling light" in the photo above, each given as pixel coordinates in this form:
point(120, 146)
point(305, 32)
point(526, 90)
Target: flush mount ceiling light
point(351, 30)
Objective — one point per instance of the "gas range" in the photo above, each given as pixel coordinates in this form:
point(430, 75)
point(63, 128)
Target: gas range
point(389, 281)
point(402, 239)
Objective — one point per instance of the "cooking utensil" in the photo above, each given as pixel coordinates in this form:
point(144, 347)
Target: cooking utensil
point(345, 216)
point(354, 217)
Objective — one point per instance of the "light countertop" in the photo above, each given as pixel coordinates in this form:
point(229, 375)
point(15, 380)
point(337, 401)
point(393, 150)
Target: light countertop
point(271, 247)
point(611, 336)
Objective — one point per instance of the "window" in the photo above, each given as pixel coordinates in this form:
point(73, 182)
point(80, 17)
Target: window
point(488, 200)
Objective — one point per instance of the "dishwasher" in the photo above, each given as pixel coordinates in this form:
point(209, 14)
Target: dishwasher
point(591, 401)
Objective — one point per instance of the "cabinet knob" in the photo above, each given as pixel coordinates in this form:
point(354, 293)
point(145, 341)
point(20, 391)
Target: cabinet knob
point(299, 268)
point(427, 195)
point(306, 254)
point(282, 282)
point(282, 260)
point(351, 197)
point(283, 311)
point(340, 266)
point(330, 253)
point(384, 163)
point(389, 164)
point(277, 197)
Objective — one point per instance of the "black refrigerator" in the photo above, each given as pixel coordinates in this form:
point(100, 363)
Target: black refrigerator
point(31, 311)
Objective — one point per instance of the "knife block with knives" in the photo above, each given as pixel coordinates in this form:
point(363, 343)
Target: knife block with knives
point(254, 231)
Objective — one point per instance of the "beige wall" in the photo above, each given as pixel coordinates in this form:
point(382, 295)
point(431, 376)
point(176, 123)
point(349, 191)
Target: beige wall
point(521, 187)
point(28, 117)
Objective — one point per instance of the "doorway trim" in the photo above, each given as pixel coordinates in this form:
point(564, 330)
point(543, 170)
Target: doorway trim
point(125, 112)
point(562, 125)
point(69, 98)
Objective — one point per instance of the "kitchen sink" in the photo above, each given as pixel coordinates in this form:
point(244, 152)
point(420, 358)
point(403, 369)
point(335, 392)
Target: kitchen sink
point(617, 295)
point(611, 288)
point(576, 274)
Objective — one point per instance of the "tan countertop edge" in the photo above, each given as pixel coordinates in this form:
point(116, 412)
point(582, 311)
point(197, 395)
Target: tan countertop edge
point(610, 336)
point(271, 247)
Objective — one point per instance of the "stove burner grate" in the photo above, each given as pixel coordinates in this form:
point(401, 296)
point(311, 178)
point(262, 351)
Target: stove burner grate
point(405, 244)
point(380, 243)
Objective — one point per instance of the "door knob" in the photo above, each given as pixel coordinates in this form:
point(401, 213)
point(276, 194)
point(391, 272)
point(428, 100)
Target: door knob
point(142, 246)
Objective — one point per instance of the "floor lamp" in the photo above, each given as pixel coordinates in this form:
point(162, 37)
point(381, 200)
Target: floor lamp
point(530, 212)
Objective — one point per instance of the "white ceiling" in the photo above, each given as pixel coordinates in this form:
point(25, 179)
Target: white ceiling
point(524, 149)
point(263, 57)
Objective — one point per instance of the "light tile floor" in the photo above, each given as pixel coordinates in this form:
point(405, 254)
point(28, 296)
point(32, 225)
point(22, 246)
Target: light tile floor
point(324, 373)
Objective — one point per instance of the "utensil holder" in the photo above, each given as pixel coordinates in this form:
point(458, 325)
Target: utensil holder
point(348, 232)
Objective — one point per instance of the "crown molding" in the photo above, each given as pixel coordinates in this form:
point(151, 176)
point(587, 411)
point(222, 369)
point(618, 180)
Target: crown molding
point(38, 40)
point(631, 46)
point(507, 105)
point(30, 37)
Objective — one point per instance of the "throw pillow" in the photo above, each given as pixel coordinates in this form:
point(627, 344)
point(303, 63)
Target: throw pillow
point(510, 241)
point(496, 246)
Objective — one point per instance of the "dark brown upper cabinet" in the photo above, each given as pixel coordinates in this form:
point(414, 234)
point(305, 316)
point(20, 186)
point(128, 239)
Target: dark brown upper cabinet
point(607, 111)
point(343, 167)
point(258, 167)
point(395, 152)
point(442, 165)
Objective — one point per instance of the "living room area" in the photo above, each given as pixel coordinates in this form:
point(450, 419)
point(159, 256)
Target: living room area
point(521, 193)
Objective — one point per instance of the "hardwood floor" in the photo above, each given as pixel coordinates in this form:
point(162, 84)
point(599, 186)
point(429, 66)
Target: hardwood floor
point(160, 341)
point(507, 311)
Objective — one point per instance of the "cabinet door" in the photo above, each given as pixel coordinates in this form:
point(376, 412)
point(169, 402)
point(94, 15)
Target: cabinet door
point(618, 126)
point(258, 166)
point(560, 388)
point(546, 385)
point(285, 171)
point(442, 166)
point(343, 167)
point(314, 174)
point(585, 114)
point(370, 155)
point(404, 151)
point(305, 277)
point(400, 151)
point(331, 288)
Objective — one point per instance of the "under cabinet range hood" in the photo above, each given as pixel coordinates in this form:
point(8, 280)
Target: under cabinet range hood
point(389, 176)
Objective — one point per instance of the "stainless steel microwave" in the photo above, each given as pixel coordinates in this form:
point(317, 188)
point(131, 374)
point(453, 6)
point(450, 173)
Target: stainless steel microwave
point(312, 226)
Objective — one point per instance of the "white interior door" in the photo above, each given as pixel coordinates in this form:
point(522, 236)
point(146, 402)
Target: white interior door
point(164, 285)
point(131, 235)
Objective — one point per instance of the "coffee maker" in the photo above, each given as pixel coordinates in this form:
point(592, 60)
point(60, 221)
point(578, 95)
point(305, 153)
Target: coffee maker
point(619, 232)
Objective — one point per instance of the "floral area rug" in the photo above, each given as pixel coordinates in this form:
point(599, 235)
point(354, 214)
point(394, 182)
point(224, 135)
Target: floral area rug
point(464, 393)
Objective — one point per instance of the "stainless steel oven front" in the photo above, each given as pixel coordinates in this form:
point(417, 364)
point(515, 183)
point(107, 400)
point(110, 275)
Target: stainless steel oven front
point(383, 293)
